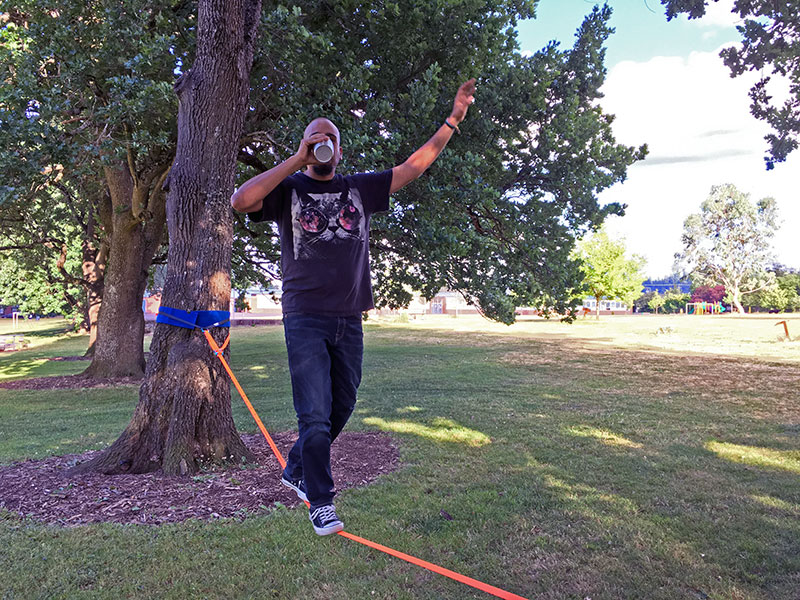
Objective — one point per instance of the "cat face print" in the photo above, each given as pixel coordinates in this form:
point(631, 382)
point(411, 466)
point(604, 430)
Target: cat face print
point(321, 221)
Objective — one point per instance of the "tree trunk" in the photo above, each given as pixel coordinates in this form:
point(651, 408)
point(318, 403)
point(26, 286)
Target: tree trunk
point(597, 307)
point(119, 347)
point(92, 272)
point(184, 413)
point(737, 302)
point(134, 239)
point(93, 269)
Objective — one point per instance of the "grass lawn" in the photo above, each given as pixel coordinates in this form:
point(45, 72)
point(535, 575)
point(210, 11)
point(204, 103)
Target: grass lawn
point(631, 457)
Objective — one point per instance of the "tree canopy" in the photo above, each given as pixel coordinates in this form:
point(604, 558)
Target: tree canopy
point(728, 243)
point(498, 214)
point(495, 219)
point(770, 46)
point(87, 118)
point(42, 258)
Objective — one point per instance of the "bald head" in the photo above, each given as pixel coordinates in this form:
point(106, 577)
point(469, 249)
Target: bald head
point(322, 126)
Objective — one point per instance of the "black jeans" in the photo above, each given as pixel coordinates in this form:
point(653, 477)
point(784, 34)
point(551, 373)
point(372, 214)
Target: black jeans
point(325, 355)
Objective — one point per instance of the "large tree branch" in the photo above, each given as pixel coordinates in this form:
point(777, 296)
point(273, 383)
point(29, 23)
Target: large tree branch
point(262, 137)
point(157, 212)
point(68, 277)
point(251, 160)
point(144, 192)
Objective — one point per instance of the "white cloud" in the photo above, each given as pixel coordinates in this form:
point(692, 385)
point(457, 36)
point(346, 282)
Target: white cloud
point(696, 121)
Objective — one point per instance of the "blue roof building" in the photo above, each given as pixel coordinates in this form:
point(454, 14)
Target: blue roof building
point(662, 286)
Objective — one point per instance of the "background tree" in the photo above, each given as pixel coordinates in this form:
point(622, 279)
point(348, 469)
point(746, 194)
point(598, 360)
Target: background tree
point(607, 271)
point(728, 243)
point(675, 301)
point(87, 100)
point(44, 267)
point(642, 303)
point(656, 302)
point(497, 216)
point(773, 299)
point(790, 284)
point(705, 293)
point(770, 40)
point(784, 296)
point(184, 417)
point(53, 255)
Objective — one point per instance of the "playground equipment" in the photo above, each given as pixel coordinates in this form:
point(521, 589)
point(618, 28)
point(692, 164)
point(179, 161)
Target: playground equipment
point(704, 308)
point(206, 320)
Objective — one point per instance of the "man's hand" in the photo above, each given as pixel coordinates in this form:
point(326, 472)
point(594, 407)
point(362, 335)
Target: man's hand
point(305, 152)
point(464, 97)
point(250, 196)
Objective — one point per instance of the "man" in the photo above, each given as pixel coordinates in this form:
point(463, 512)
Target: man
point(323, 219)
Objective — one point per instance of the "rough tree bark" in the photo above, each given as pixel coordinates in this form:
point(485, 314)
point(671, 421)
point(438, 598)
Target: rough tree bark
point(183, 417)
point(136, 227)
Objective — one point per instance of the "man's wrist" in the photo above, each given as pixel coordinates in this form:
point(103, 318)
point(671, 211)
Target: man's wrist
point(453, 125)
point(297, 162)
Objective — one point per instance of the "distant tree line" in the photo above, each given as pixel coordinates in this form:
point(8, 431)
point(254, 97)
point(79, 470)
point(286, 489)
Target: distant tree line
point(784, 296)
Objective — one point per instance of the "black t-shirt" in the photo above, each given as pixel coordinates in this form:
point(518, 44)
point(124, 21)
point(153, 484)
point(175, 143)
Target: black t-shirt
point(324, 229)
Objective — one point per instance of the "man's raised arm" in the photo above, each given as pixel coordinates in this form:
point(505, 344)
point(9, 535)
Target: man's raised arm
point(423, 158)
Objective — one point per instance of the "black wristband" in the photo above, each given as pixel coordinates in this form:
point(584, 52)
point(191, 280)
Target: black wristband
point(451, 126)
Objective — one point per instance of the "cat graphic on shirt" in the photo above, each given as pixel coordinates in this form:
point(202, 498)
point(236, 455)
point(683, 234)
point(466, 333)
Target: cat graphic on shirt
point(322, 222)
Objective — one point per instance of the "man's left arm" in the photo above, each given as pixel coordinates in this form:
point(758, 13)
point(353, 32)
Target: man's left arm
point(423, 158)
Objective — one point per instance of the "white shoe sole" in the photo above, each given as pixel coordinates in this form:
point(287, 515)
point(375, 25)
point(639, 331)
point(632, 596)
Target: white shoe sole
point(295, 489)
point(333, 528)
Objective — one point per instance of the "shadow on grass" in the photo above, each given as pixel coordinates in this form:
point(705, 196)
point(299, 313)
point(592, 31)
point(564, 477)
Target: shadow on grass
point(670, 514)
point(605, 461)
point(569, 472)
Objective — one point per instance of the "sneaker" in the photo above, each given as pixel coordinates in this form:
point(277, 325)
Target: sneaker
point(298, 485)
point(324, 520)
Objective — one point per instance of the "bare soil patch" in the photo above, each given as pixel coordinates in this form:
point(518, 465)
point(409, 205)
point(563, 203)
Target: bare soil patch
point(768, 389)
point(42, 491)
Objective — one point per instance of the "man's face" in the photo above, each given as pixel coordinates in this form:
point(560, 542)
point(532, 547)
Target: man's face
point(327, 128)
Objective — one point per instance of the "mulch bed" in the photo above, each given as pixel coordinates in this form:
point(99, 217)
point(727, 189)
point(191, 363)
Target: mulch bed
point(67, 382)
point(40, 489)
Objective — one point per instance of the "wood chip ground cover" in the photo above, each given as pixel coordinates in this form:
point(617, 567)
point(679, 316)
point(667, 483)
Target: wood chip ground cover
point(42, 491)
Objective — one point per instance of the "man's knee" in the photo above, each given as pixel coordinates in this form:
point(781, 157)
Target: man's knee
point(316, 436)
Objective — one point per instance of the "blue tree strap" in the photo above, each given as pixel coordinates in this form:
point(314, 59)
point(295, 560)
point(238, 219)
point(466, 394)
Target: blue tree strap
point(196, 319)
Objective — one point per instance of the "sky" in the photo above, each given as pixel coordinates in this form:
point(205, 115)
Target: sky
point(669, 89)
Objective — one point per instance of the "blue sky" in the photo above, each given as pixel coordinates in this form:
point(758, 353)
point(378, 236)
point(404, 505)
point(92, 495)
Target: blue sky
point(668, 88)
point(642, 30)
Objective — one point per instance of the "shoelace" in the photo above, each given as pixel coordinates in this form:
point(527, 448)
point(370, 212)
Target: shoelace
point(325, 514)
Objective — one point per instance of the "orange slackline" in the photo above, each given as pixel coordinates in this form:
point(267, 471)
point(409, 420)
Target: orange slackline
point(484, 587)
